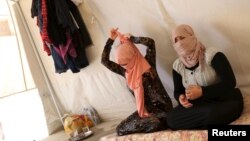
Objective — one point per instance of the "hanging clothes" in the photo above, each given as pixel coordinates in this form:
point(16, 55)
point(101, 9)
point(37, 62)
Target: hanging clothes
point(63, 33)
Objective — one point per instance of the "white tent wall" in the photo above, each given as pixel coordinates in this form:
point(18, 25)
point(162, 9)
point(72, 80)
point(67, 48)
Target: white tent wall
point(52, 119)
point(224, 24)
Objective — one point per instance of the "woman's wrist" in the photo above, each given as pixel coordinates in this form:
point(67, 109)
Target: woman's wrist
point(112, 38)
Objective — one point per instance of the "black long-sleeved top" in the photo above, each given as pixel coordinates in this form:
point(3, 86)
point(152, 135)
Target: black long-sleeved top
point(155, 96)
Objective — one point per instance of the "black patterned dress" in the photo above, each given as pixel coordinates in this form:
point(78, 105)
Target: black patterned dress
point(156, 99)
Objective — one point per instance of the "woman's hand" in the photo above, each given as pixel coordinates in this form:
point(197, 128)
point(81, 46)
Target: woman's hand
point(184, 101)
point(193, 92)
point(127, 35)
point(123, 37)
point(113, 33)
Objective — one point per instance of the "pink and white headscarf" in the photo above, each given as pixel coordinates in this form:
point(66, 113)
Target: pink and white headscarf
point(128, 56)
point(189, 49)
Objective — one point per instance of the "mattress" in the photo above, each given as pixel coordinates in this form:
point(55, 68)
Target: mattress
point(180, 135)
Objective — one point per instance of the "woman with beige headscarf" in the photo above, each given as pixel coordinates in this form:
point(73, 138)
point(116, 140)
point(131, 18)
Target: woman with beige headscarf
point(152, 100)
point(204, 84)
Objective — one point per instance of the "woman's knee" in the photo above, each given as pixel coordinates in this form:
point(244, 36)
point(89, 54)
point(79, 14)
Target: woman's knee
point(172, 121)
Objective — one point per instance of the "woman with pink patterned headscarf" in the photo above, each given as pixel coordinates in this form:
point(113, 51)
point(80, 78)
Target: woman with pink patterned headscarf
point(204, 84)
point(152, 101)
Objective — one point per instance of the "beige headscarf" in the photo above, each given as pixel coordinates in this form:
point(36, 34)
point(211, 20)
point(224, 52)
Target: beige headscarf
point(128, 56)
point(189, 49)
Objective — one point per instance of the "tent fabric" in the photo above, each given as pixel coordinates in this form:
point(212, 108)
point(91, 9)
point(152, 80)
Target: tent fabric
point(222, 24)
point(41, 81)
